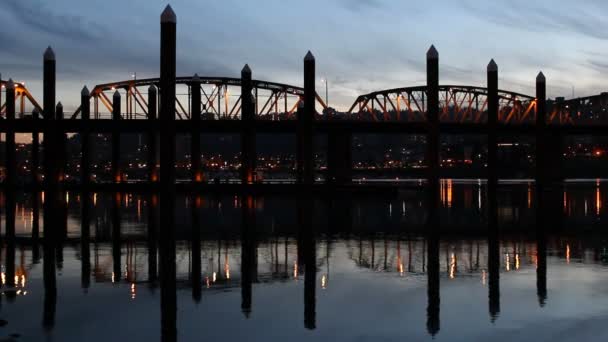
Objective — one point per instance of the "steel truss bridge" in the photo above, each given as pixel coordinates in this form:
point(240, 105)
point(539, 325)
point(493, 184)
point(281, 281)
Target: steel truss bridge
point(221, 100)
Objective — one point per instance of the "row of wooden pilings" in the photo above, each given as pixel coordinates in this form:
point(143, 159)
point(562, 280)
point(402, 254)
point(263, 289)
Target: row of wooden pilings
point(164, 140)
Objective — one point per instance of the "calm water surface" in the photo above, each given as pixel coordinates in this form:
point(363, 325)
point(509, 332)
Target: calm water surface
point(368, 271)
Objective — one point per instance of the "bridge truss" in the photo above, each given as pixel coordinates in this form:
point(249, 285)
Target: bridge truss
point(221, 98)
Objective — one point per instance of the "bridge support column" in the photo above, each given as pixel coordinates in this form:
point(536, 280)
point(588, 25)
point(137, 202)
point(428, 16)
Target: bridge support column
point(248, 138)
point(116, 169)
point(152, 148)
point(195, 139)
point(168, 297)
point(433, 136)
point(85, 163)
point(339, 157)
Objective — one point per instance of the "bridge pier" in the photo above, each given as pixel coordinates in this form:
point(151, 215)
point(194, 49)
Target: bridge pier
point(248, 134)
point(116, 169)
point(339, 157)
point(195, 139)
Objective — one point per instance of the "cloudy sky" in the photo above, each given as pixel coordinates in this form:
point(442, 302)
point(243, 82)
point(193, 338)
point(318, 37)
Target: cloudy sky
point(360, 45)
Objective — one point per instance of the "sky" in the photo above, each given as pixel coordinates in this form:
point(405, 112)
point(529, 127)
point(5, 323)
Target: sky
point(360, 45)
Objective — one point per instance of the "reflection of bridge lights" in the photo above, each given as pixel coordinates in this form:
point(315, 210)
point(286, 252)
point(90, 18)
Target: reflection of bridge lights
point(214, 277)
point(483, 277)
point(567, 254)
point(508, 262)
point(516, 261)
point(453, 266)
point(3, 278)
point(324, 282)
point(133, 291)
point(295, 270)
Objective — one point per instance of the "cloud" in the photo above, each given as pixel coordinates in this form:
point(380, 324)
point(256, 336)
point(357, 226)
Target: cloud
point(38, 17)
point(542, 16)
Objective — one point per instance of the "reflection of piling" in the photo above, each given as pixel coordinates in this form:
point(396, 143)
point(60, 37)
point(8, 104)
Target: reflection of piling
point(248, 253)
point(85, 162)
point(541, 267)
point(309, 257)
point(197, 273)
point(10, 251)
point(85, 240)
point(152, 240)
point(248, 135)
point(116, 173)
point(432, 75)
point(116, 250)
point(195, 139)
point(433, 307)
point(167, 176)
point(152, 144)
point(494, 274)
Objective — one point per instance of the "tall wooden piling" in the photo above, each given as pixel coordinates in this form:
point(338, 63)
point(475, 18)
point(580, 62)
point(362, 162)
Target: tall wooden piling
point(152, 134)
point(248, 138)
point(116, 116)
point(432, 76)
point(306, 136)
point(195, 135)
point(167, 175)
point(85, 137)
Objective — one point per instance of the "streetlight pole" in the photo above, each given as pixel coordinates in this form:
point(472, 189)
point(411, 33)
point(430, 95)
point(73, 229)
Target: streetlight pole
point(324, 80)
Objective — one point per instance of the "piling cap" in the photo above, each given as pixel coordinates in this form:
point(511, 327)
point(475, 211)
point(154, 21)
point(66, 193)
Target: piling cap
point(246, 70)
point(309, 57)
point(49, 54)
point(492, 66)
point(432, 53)
point(540, 77)
point(195, 78)
point(168, 16)
point(116, 94)
point(152, 88)
point(85, 91)
point(10, 84)
point(59, 105)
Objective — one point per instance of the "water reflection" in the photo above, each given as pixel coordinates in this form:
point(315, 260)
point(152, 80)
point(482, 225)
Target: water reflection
point(252, 244)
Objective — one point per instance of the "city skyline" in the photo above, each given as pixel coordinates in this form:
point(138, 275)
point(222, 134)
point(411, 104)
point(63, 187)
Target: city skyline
point(388, 51)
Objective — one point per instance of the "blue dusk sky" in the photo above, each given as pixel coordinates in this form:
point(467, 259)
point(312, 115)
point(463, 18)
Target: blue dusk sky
point(360, 45)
